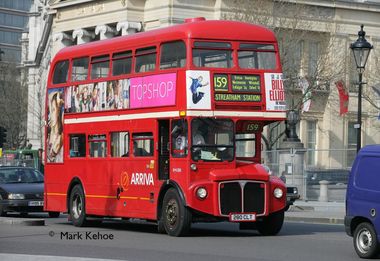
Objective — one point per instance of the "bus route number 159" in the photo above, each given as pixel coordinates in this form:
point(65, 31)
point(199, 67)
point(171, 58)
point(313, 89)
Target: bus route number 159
point(221, 82)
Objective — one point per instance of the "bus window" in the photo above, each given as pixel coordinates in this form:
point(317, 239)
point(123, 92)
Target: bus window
point(173, 55)
point(120, 144)
point(212, 54)
point(100, 66)
point(122, 63)
point(179, 138)
point(146, 59)
point(245, 145)
point(80, 69)
point(97, 145)
point(77, 145)
point(257, 56)
point(143, 144)
point(61, 72)
point(212, 139)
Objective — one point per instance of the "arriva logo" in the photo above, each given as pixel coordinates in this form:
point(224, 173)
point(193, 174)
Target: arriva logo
point(142, 179)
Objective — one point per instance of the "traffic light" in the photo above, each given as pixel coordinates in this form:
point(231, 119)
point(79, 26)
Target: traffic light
point(3, 136)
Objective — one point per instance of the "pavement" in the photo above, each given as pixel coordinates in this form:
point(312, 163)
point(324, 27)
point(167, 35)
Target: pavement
point(316, 212)
point(301, 211)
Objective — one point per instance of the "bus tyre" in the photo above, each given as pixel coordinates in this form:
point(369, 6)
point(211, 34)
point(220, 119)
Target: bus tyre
point(53, 214)
point(161, 227)
point(175, 216)
point(77, 206)
point(365, 241)
point(271, 224)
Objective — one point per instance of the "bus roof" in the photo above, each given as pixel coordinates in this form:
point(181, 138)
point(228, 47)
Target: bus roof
point(213, 30)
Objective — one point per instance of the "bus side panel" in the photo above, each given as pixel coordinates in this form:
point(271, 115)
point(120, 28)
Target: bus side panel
point(55, 188)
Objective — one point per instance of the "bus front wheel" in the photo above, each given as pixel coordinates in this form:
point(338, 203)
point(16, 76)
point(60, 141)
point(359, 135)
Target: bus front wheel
point(77, 206)
point(175, 216)
point(271, 224)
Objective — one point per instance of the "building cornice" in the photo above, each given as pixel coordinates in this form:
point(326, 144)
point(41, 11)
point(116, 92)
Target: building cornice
point(54, 4)
point(368, 6)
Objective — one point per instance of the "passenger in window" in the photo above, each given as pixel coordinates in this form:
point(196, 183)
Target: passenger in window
point(137, 151)
point(195, 85)
point(179, 139)
point(198, 134)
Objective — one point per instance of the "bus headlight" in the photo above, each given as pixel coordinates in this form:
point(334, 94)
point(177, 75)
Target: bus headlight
point(193, 167)
point(16, 196)
point(278, 193)
point(201, 193)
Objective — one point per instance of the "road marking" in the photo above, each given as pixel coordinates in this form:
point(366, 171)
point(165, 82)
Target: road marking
point(20, 257)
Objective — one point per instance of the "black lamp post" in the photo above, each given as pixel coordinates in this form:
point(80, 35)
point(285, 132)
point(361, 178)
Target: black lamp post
point(292, 118)
point(360, 49)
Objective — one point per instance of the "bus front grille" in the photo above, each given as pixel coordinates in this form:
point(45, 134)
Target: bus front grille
point(241, 197)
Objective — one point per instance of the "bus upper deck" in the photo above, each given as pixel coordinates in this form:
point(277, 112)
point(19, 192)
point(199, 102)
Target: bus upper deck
point(192, 66)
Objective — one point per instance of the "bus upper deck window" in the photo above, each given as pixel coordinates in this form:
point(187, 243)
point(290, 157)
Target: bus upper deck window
point(61, 72)
point(122, 63)
point(146, 59)
point(212, 54)
point(80, 69)
point(173, 55)
point(100, 66)
point(256, 56)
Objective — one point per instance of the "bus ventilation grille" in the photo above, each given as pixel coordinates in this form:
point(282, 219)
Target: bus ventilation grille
point(242, 197)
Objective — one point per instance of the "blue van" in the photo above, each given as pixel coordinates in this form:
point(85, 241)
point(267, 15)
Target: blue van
point(362, 220)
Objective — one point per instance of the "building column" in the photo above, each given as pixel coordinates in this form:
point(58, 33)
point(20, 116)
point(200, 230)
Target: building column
point(63, 40)
point(105, 31)
point(128, 27)
point(83, 36)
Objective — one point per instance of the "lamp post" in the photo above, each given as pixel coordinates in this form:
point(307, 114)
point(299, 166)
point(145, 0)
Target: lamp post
point(360, 49)
point(292, 119)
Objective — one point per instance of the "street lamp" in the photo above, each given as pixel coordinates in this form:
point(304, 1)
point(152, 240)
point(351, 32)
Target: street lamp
point(360, 49)
point(292, 118)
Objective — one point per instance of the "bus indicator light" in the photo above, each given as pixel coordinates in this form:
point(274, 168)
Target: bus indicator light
point(182, 113)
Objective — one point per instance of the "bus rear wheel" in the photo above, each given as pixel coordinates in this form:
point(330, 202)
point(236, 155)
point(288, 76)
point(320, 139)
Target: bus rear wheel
point(77, 206)
point(271, 224)
point(175, 216)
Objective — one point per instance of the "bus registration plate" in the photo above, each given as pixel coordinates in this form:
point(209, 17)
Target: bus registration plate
point(241, 217)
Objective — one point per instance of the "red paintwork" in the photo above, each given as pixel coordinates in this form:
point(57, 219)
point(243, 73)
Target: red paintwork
point(101, 177)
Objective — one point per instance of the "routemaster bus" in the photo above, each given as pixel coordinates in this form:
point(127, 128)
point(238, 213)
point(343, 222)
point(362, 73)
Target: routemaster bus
point(166, 126)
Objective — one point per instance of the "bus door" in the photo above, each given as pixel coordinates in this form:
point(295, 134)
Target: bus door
point(163, 150)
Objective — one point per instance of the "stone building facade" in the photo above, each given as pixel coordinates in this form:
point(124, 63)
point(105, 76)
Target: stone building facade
point(321, 127)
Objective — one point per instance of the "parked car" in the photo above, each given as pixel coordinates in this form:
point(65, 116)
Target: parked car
point(21, 190)
point(362, 220)
point(291, 192)
point(292, 195)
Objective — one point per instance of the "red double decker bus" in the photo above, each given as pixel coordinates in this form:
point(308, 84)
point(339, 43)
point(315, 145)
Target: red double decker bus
point(166, 126)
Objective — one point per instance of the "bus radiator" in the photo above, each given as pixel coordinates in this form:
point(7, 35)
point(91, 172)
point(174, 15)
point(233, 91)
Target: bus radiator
point(241, 197)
